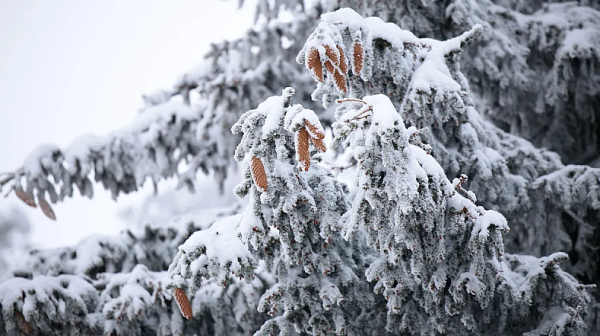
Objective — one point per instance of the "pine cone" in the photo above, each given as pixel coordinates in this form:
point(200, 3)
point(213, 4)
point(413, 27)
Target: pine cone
point(319, 144)
point(314, 64)
point(184, 303)
point(335, 59)
point(23, 196)
point(314, 130)
point(358, 58)
point(343, 64)
point(340, 82)
point(302, 152)
point(46, 208)
point(329, 67)
point(25, 326)
point(258, 174)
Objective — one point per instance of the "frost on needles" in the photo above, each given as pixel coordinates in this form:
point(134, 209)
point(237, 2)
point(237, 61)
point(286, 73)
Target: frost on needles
point(435, 256)
point(290, 225)
point(118, 286)
point(551, 207)
point(533, 73)
point(411, 243)
point(405, 248)
point(441, 264)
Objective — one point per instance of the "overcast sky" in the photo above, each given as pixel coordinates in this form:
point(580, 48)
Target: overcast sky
point(70, 67)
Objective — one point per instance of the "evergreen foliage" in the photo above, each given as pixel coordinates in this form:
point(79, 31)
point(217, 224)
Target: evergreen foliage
point(436, 138)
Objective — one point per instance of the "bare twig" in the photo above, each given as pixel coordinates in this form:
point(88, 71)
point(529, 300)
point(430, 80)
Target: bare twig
point(580, 221)
point(5, 178)
point(417, 140)
point(343, 100)
point(339, 168)
point(458, 187)
point(420, 131)
point(361, 113)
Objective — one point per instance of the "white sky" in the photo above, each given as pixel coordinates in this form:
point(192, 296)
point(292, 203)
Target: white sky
point(70, 67)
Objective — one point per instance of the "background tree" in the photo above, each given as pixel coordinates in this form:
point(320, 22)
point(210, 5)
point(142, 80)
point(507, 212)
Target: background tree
point(14, 239)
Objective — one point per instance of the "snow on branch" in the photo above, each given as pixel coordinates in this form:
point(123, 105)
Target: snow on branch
point(33, 306)
point(416, 65)
point(536, 72)
point(127, 297)
point(152, 146)
point(417, 219)
point(122, 284)
point(188, 123)
point(422, 77)
point(572, 186)
point(153, 246)
point(217, 253)
point(527, 279)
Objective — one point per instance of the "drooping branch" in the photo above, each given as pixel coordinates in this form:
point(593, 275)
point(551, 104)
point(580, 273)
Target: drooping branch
point(152, 146)
point(171, 138)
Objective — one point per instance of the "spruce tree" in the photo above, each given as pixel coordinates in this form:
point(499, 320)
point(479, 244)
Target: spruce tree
point(290, 225)
point(526, 50)
point(430, 130)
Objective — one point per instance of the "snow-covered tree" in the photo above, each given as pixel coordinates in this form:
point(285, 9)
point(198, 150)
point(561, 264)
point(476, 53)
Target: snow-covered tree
point(531, 69)
point(414, 190)
point(536, 61)
point(291, 226)
point(519, 44)
point(117, 286)
point(442, 267)
point(551, 206)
